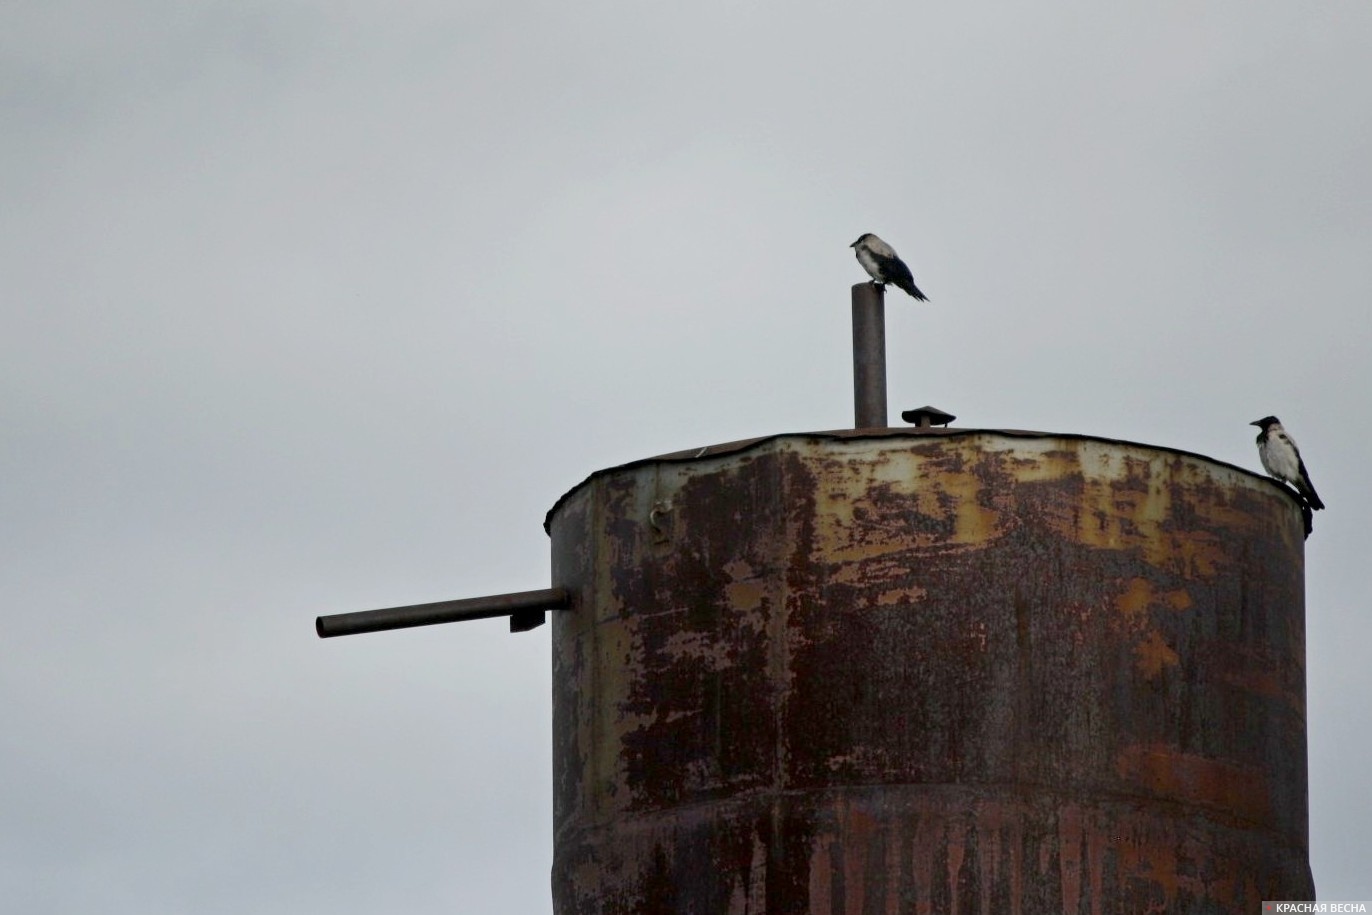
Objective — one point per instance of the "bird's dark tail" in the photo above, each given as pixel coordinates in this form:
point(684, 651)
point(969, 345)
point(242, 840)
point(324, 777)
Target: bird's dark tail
point(913, 290)
point(1307, 489)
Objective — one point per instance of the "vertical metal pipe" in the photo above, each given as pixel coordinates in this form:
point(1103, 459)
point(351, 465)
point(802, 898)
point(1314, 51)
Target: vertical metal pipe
point(869, 356)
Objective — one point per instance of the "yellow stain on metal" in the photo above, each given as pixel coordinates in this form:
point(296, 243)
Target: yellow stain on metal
point(1154, 654)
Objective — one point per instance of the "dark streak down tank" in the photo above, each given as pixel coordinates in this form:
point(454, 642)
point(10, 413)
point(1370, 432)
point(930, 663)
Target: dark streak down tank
point(931, 672)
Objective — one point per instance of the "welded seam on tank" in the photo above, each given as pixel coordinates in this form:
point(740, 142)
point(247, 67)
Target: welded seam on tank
point(998, 791)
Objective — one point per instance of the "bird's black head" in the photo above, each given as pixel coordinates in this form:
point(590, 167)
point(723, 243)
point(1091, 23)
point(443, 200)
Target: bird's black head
point(861, 238)
point(1266, 422)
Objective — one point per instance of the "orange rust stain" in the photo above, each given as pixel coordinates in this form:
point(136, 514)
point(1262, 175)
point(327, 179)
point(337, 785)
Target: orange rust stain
point(745, 596)
point(1069, 858)
point(1160, 770)
point(910, 595)
point(1153, 655)
point(1140, 596)
point(1133, 602)
point(1178, 599)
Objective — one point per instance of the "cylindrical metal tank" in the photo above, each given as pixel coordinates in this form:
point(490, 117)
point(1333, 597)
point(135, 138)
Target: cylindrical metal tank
point(931, 672)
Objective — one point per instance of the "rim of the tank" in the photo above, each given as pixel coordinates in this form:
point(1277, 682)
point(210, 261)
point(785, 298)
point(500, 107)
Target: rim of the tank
point(747, 444)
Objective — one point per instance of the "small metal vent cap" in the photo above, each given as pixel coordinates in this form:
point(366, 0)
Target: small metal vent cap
point(927, 416)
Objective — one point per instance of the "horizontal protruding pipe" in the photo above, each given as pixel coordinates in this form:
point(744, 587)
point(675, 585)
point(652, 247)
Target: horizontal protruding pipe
point(519, 604)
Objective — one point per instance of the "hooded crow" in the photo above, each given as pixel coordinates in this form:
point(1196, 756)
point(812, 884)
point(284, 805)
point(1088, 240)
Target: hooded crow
point(1282, 459)
point(881, 263)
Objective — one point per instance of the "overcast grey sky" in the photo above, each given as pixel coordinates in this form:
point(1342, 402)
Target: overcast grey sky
point(319, 306)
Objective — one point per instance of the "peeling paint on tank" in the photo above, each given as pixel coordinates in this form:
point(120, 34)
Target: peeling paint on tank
point(928, 673)
point(745, 596)
point(910, 595)
point(873, 509)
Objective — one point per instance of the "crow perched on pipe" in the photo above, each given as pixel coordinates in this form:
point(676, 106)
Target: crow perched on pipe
point(884, 266)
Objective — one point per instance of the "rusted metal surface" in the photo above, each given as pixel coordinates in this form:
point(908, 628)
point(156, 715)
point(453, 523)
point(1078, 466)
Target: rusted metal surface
point(869, 355)
point(963, 672)
point(526, 610)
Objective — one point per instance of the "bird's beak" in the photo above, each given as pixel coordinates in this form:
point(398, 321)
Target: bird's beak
point(853, 245)
point(1256, 422)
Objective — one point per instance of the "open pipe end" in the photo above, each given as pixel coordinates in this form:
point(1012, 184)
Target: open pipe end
point(526, 610)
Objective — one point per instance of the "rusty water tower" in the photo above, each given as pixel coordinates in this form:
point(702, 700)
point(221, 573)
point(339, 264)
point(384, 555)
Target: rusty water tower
point(921, 670)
